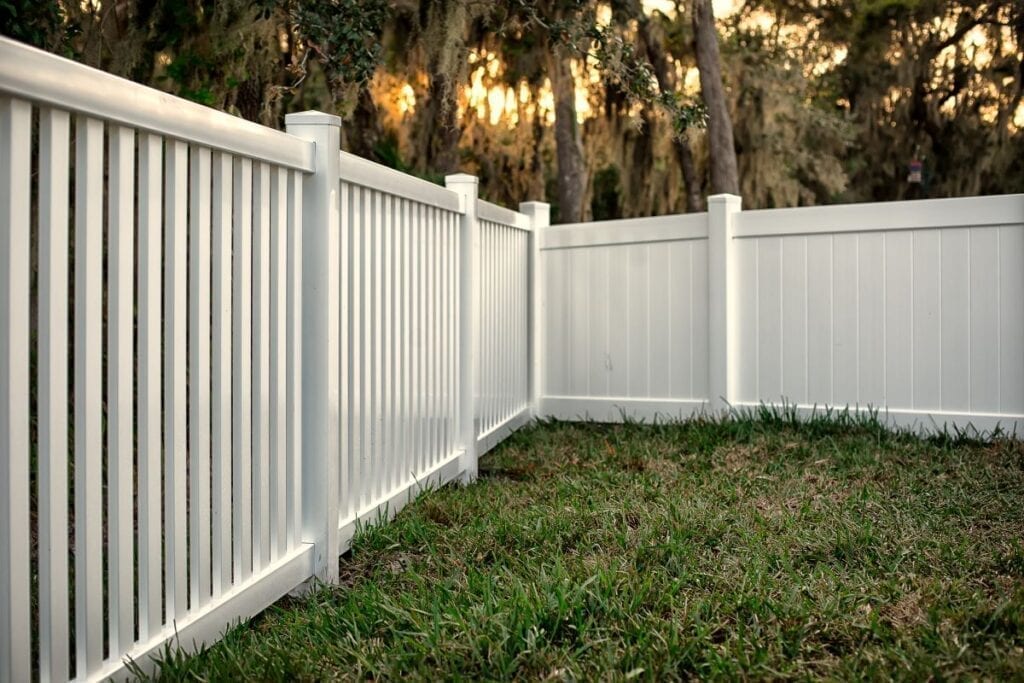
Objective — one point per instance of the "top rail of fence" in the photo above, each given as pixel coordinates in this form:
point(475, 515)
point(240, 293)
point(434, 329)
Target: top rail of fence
point(366, 173)
point(46, 79)
point(692, 226)
point(486, 211)
point(924, 214)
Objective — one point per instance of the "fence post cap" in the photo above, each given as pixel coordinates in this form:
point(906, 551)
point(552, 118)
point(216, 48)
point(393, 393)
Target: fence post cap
point(725, 199)
point(528, 207)
point(460, 179)
point(312, 118)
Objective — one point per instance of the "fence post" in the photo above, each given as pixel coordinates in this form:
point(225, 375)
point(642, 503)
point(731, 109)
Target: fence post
point(722, 293)
point(320, 338)
point(467, 187)
point(540, 218)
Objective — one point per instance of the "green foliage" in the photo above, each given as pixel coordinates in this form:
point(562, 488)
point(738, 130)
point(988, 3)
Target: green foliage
point(764, 548)
point(36, 22)
point(577, 29)
point(345, 36)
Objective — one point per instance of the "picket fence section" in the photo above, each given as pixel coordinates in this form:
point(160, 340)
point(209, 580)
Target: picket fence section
point(503, 363)
point(912, 309)
point(223, 348)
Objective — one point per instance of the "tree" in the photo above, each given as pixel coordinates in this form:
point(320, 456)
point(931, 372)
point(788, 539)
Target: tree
point(572, 178)
point(722, 162)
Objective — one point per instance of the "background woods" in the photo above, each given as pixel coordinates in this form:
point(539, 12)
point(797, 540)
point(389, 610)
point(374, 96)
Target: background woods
point(606, 109)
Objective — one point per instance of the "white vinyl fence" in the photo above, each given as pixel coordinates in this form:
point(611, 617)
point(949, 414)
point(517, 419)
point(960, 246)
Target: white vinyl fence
point(503, 362)
point(223, 347)
point(913, 309)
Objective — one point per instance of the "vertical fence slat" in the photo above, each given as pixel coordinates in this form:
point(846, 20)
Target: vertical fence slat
point(492, 358)
point(199, 376)
point(360, 338)
point(261, 367)
point(441, 347)
point(427, 342)
point(149, 391)
point(88, 433)
point(509, 304)
point(489, 357)
point(355, 340)
point(175, 402)
point(366, 481)
point(524, 327)
point(294, 364)
point(417, 337)
point(220, 428)
point(396, 341)
point(15, 171)
point(399, 342)
point(345, 388)
point(374, 487)
point(442, 291)
point(54, 181)
point(241, 372)
point(430, 262)
point(387, 343)
point(404, 287)
point(453, 325)
point(120, 328)
point(493, 274)
point(278, 304)
point(457, 352)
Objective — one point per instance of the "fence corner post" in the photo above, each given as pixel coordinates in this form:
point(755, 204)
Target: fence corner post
point(540, 218)
point(467, 187)
point(722, 302)
point(320, 338)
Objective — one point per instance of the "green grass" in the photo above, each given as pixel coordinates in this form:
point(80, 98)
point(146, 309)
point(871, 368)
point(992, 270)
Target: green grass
point(744, 549)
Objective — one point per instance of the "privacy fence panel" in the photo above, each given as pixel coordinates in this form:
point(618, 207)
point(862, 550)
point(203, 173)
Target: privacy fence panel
point(912, 309)
point(916, 307)
point(145, 336)
point(503, 399)
point(625, 322)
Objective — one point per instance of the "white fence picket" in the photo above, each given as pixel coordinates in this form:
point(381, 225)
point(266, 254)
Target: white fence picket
point(241, 372)
point(88, 359)
point(149, 390)
point(175, 399)
point(54, 183)
point(120, 329)
point(199, 242)
point(261, 368)
point(220, 428)
point(278, 302)
point(15, 170)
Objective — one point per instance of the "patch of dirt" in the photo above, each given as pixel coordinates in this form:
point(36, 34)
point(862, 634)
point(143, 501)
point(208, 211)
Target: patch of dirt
point(905, 613)
point(735, 458)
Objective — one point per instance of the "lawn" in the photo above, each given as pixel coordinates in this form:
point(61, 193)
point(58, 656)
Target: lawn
point(743, 549)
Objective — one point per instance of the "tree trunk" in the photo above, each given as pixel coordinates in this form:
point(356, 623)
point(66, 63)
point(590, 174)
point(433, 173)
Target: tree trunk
point(366, 132)
point(569, 146)
point(724, 175)
point(439, 130)
point(685, 157)
point(666, 83)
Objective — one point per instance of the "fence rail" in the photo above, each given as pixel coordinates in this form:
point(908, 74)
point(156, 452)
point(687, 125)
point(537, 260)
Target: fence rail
point(223, 347)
